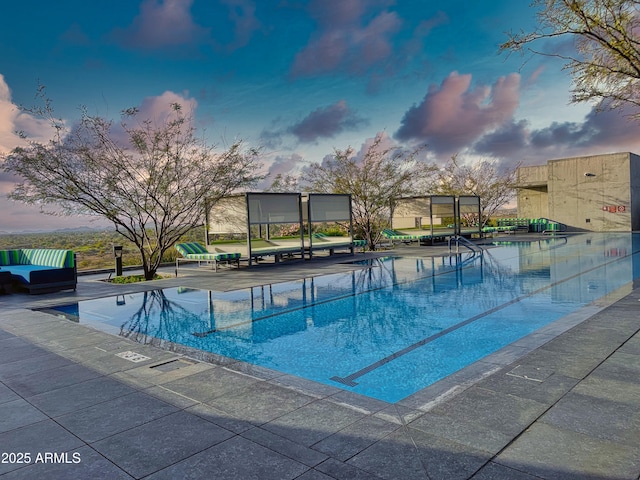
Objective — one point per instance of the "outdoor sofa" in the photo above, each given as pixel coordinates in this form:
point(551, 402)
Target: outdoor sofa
point(40, 270)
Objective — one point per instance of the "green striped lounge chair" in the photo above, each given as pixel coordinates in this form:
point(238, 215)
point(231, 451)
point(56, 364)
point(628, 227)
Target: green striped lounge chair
point(402, 237)
point(196, 252)
point(358, 243)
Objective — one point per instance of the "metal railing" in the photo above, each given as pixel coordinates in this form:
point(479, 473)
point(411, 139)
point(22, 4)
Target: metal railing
point(476, 249)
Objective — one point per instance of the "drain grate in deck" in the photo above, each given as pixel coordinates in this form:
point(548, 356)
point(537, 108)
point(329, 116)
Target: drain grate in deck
point(173, 365)
point(534, 374)
point(132, 356)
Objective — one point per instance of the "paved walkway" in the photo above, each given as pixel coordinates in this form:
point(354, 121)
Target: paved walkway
point(72, 408)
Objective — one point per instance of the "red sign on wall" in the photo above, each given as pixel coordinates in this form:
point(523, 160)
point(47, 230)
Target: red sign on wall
point(614, 208)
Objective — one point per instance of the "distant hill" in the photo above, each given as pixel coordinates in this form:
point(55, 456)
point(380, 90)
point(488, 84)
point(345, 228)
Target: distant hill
point(60, 230)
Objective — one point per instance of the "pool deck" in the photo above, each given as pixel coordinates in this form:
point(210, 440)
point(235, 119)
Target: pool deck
point(564, 403)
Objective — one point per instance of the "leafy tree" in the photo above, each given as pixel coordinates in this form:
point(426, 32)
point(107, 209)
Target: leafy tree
point(494, 185)
point(149, 178)
point(374, 178)
point(284, 184)
point(606, 62)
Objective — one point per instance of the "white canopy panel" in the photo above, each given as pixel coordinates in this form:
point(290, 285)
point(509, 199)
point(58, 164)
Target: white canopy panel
point(228, 215)
point(327, 207)
point(266, 208)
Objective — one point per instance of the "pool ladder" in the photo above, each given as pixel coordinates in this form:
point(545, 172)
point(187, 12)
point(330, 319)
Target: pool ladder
point(458, 240)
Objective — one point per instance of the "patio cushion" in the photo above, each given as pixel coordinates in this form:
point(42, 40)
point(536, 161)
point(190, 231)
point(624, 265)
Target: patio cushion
point(9, 257)
point(46, 257)
point(196, 251)
point(191, 248)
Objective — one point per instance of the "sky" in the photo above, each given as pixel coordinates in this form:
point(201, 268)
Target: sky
point(300, 78)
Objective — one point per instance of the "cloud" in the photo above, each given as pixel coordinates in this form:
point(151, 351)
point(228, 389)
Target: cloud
point(13, 120)
point(284, 165)
point(348, 37)
point(415, 45)
point(159, 108)
point(323, 122)
point(385, 143)
point(326, 122)
point(156, 110)
point(8, 115)
point(18, 216)
point(242, 14)
point(454, 115)
point(75, 36)
point(513, 136)
point(456, 118)
point(162, 24)
point(533, 78)
point(603, 131)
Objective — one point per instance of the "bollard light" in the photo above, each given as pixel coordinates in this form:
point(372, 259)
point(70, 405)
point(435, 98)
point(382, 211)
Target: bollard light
point(117, 254)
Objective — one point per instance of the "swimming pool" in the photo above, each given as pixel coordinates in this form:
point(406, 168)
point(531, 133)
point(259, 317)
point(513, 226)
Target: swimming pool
point(390, 328)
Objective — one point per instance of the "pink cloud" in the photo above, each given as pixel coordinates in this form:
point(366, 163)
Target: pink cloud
point(17, 216)
point(170, 24)
point(284, 165)
point(13, 120)
point(533, 78)
point(385, 142)
point(326, 122)
point(160, 24)
point(160, 107)
point(345, 39)
point(600, 132)
point(454, 115)
point(157, 110)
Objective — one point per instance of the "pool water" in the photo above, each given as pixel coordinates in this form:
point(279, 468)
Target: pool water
point(392, 327)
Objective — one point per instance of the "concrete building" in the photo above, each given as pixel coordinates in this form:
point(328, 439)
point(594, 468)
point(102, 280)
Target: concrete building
point(599, 193)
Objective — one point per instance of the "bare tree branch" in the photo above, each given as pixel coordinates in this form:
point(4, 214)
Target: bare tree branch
point(605, 34)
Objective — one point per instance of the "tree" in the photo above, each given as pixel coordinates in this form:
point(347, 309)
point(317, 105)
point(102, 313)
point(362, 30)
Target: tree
point(375, 178)
point(153, 180)
point(495, 186)
point(284, 184)
point(606, 63)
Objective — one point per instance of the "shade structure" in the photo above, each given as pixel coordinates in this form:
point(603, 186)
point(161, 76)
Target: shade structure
point(253, 216)
point(439, 214)
point(469, 209)
point(273, 224)
point(321, 209)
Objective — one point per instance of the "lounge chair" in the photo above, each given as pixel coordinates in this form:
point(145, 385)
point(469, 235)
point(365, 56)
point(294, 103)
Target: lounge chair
point(195, 252)
point(358, 243)
point(403, 237)
point(321, 241)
